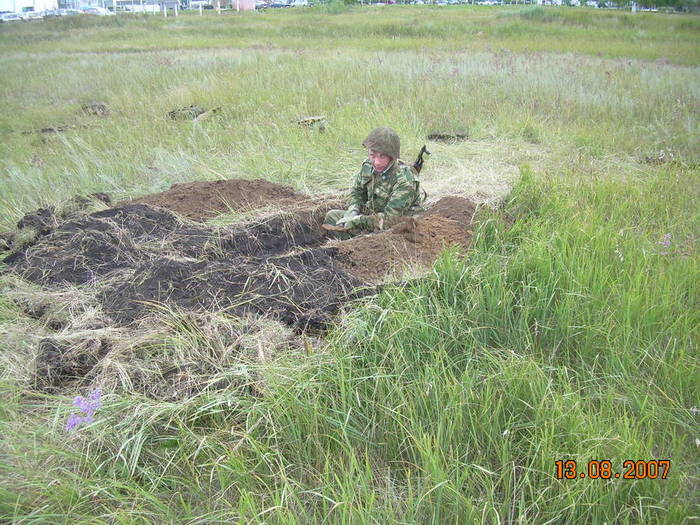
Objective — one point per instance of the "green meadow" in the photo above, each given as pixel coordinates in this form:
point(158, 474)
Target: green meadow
point(568, 331)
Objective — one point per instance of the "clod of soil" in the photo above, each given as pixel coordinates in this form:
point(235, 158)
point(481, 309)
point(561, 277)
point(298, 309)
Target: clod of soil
point(662, 157)
point(5, 241)
point(192, 113)
point(62, 362)
point(42, 220)
point(200, 201)
point(448, 137)
point(96, 109)
point(318, 122)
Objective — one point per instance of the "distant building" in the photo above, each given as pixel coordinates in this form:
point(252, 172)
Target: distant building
point(241, 5)
point(17, 6)
point(238, 5)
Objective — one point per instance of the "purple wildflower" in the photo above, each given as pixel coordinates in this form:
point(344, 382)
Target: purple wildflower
point(666, 243)
point(73, 421)
point(88, 406)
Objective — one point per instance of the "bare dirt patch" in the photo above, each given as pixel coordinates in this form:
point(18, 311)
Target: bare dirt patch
point(281, 266)
point(200, 201)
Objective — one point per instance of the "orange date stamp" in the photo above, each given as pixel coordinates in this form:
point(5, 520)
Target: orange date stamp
point(603, 469)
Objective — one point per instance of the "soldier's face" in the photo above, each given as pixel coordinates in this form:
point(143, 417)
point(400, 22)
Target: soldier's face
point(379, 161)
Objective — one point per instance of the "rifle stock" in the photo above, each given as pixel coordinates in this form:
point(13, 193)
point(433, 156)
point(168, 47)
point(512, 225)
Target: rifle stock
point(418, 164)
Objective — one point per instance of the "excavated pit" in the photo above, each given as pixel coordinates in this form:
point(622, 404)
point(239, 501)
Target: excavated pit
point(138, 257)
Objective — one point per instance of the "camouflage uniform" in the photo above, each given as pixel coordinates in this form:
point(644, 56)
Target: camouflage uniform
point(381, 198)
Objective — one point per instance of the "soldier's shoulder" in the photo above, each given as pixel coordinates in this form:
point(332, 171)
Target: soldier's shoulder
point(407, 172)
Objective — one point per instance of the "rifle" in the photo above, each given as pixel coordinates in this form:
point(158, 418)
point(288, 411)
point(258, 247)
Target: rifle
point(418, 164)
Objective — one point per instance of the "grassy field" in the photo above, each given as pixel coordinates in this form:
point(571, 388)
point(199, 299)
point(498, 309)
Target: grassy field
point(569, 334)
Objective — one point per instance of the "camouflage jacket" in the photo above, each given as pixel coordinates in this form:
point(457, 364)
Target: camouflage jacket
point(382, 197)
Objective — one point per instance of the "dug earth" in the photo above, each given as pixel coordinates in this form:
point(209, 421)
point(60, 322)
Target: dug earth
point(278, 263)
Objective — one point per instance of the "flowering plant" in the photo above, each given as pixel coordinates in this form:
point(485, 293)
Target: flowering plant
point(87, 408)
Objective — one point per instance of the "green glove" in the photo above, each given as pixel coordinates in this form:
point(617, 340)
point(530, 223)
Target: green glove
point(350, 214)
point(352, 222)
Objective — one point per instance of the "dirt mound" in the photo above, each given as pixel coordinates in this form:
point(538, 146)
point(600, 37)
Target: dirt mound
point(413, 242)
point(119, 272)
point(455, 208)
point(200, 201)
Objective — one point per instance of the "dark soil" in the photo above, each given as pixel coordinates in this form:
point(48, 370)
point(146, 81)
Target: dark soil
point(200, 201)
point(62, 363)
point(141, 255)
point(42, 221)
point(83, 250)
point(5, 241)
point(303, 290)
point(281, 266)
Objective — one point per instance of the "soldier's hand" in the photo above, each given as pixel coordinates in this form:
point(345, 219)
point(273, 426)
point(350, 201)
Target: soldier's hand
point(350, 222)
point(347, 216)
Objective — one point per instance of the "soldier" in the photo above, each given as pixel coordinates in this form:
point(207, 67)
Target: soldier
point(384, 190)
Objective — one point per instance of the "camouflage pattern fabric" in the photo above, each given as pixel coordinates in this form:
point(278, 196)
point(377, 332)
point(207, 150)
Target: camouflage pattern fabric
point(381, 198)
